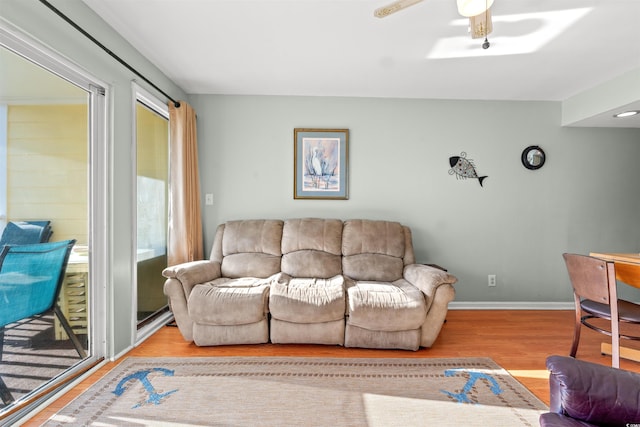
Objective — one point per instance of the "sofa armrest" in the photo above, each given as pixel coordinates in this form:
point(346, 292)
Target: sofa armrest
point(593, 393)
point(180, 281)
point(192, 273)
point(427, 278)
point(437, 286)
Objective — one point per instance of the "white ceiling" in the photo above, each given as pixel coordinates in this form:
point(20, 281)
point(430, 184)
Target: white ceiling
point(547, 50)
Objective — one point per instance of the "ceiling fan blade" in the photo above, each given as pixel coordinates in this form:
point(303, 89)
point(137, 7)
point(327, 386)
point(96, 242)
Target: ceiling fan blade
point(383, 11)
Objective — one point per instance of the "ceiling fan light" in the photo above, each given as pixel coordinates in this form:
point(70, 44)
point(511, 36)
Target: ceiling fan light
point(471, 8)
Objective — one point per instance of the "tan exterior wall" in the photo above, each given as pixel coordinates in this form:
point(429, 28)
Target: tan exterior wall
point(152, 146)
point(47, 167)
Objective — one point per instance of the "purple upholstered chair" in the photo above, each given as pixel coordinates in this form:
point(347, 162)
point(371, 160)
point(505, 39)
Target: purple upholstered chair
point(587, 394)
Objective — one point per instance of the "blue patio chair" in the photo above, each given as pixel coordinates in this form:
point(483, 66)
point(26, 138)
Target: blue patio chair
point(26, 233)
point(31, 277)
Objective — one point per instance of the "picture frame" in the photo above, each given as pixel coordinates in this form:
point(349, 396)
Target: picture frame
point(320, 163)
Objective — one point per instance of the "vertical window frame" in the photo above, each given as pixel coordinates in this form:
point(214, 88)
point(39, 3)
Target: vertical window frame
point(152, 102)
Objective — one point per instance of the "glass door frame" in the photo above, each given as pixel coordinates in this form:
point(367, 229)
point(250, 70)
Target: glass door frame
point(153, 103)
point(98, 179)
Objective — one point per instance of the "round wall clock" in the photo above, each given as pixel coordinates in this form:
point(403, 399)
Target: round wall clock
point(533, 157)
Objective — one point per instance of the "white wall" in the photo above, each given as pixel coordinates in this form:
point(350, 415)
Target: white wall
point(517, 226)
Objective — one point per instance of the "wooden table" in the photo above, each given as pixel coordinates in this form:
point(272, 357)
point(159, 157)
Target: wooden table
point(627, 267)
point(633, 258)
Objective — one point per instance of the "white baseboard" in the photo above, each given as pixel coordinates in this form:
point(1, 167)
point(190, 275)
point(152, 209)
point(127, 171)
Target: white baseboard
point(510, 305)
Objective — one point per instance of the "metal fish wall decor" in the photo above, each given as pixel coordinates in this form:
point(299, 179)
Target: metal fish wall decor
point(464, 168)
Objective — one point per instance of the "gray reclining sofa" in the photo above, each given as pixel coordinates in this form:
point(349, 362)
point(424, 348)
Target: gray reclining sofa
point(317, 281)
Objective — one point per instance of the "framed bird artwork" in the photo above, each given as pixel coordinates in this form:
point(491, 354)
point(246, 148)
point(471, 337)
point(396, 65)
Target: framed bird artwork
point(320, 163)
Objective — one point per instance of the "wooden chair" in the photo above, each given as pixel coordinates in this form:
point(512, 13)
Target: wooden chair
point(595, 295)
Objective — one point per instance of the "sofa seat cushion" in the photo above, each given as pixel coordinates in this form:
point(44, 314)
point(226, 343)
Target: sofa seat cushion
point(386, 306)
point(308, 300)
point(231, 302)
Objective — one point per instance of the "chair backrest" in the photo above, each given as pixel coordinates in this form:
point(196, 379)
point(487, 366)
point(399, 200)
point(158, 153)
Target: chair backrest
point(30, 278)
point(590, 277)
point(26, 233)
point(46, 233)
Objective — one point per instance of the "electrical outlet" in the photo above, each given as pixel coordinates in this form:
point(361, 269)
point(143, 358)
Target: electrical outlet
point(492, 280)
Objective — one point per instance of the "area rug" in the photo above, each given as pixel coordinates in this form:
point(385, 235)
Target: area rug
point(302, 391)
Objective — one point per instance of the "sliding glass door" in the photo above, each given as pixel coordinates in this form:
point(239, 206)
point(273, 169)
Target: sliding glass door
point(152, 195)
point(51, 125)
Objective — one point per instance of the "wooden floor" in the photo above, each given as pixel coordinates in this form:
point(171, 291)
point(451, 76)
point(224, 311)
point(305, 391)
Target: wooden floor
point(518, 340)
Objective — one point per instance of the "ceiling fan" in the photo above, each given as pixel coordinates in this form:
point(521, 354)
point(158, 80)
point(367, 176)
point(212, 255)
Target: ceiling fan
point(478, 12)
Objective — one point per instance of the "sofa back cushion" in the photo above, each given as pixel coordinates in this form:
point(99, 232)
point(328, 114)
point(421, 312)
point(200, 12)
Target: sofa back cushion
point(250, 248)
point(374, 250)
point(312, 247)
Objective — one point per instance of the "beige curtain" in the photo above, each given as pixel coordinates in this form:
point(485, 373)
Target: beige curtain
point(185, 222)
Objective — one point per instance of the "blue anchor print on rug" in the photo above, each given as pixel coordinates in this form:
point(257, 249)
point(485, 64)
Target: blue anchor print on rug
point(154, 397)
point(463, 397)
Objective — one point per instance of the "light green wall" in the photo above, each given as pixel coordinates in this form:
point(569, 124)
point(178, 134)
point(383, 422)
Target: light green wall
point(517, 226)
point(42, 24)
